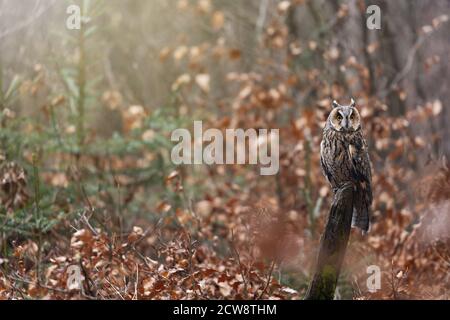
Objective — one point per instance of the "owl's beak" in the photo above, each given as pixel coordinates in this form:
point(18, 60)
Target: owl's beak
point(345, 125)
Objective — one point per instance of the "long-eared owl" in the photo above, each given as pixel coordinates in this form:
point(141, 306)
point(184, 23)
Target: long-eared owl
point(344, 158)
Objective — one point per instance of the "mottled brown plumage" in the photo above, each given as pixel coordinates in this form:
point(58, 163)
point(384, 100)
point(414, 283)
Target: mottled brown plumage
point(344, 157)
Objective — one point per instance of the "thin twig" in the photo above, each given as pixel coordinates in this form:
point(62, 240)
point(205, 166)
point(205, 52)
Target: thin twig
point(114, 287)
point(241, 268)
point(269, 278)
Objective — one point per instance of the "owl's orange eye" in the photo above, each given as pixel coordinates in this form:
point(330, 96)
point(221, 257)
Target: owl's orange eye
point(339, 117)
point(352, 117)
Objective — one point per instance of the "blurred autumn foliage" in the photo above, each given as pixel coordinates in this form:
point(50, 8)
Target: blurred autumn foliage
point(86, 177)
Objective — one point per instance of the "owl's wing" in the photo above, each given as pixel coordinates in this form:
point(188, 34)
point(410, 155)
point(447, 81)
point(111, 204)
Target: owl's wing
point(359, 156)
point(325, 170)
point(358, 153)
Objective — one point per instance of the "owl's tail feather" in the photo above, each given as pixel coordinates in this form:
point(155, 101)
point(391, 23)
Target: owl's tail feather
point(361, 212)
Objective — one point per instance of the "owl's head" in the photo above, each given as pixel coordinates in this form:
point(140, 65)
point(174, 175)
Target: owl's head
point(344, 118)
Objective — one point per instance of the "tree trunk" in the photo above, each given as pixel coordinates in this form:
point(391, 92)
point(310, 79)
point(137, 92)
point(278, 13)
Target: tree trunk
point(332, 246)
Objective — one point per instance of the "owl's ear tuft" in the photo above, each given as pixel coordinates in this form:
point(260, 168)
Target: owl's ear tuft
point(335, 104)
point(352, 103)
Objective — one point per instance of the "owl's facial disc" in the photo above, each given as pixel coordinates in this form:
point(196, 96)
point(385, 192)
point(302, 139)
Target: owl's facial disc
point(345, 119)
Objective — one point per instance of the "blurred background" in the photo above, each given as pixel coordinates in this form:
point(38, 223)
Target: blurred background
point(86, 118)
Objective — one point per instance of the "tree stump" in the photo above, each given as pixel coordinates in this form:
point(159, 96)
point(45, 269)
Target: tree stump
point(333, 244)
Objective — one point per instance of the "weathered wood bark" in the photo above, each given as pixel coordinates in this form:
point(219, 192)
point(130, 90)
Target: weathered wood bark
point(332, 246)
